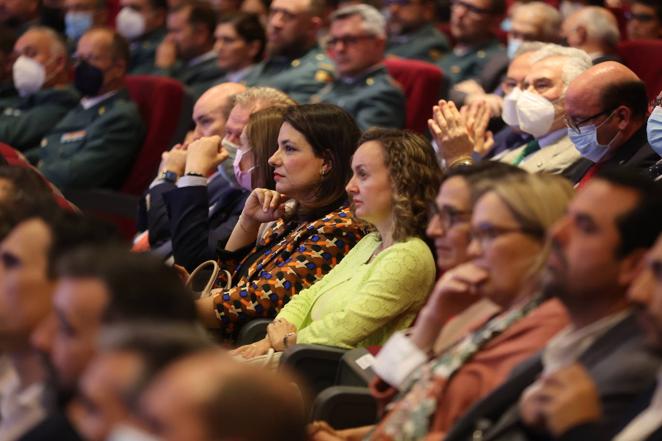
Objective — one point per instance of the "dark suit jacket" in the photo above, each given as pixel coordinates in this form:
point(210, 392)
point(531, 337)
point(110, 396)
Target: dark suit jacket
point(197, 217)
point(635, 153)
point(596, 432)
point(54, 427)
point(618, 362)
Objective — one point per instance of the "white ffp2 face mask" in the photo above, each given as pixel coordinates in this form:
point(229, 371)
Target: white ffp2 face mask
point(29, 75)
point(509, 110)
point(130, 23)
point(535, 113)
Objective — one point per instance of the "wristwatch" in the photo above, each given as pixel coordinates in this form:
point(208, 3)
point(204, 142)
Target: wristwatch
point(169, 176)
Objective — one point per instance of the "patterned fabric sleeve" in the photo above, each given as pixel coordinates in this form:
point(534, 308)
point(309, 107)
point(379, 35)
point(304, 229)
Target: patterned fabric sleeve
point(288, 264)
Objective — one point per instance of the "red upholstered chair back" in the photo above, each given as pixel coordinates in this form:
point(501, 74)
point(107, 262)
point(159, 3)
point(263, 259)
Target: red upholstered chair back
point(644, 57)
point(422, 83)
point(164, 108)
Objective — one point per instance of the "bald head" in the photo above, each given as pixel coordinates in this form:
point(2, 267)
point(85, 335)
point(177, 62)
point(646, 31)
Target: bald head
point(535, 21)
point(210, 396)
point(212, 109)
point(593, 84)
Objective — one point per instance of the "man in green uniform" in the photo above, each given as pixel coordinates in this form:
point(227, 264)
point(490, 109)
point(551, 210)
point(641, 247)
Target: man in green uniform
point(411, 30)
point(357, 39)
point(142, 23)
point(473, 25)
point(41, 75)
point(187, 53)
point(295, 64)
point(80, 16)
point(96, 142)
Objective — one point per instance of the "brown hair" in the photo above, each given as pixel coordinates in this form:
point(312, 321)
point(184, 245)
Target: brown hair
point(262, 133)
point(415, 178)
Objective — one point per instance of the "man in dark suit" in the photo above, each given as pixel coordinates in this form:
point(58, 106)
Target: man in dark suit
point(606, 108)
point(596, 251)
point(568, 403)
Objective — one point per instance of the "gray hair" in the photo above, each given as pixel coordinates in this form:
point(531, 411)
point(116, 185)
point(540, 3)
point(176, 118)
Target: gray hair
point(373, 20)
point(262, 97)
point(529, 46)
point(551, 18)
point(577, 60)
point(600, 25)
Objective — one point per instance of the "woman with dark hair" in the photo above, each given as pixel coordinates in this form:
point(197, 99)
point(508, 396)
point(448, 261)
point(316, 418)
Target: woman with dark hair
point(278, 248)
point(382, 283)
point(240, 43)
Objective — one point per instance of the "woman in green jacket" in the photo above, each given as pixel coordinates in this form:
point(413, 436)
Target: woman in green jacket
point(384, 280)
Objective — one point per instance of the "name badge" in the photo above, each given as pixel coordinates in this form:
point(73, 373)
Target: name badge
point(73, 136)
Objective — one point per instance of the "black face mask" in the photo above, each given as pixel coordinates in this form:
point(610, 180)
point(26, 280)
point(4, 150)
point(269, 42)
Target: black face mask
point(88, 79)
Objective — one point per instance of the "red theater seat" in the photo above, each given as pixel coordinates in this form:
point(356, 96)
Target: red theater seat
point(422, 83)
point(644, 57)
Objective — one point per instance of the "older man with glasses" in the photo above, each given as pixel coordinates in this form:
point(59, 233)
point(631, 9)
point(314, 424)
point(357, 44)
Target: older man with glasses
point(356, 43)
point(606, 113)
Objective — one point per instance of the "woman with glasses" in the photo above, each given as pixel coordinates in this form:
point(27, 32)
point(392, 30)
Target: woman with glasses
point(508, 250)
point(384, 280)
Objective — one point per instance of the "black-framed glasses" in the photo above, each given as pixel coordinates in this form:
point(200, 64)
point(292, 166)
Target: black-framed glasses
point(449, 216)
point(486, 234)
point(471, 8)
point(575, 126)
point(346, 40)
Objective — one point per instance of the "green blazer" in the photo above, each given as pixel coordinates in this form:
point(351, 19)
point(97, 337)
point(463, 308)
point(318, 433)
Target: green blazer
point(361, 304)
point(425, 43)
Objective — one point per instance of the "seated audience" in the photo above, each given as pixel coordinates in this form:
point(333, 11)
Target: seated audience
point(654, 134)
point(294, 62)
point(597, 250)
point(508, 250)
point(363, 87)
point(94, 144)
point(142, 23)
point(187, 53)
point(208, 397)
point(539, 110)
point(98, 286)
point(595, 30)
point(28, 255)
point(240, 44)
point(41, 77)
point(412, 32)
point(203, 211)
point(644, 19)
point(81, 15)
point(381, 284)
point(606, 109)
point(129, 356)
point(297, 245)
point(20, 15)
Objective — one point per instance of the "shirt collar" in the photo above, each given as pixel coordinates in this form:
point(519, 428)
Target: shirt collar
point(202, 58)
point(88, 103)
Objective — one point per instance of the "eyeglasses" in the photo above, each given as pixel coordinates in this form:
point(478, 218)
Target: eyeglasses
point(471, 8)
point(346, 40)
point(575, 126)
point(449, 216)
point(639, 17)
point(486, 234)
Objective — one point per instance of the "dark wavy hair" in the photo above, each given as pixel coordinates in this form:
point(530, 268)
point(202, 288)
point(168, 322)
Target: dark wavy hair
point(333, 135)
point(415, 178)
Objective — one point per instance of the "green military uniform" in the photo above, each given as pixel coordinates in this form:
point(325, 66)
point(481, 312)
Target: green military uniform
point(92, 147)
point(143, 52)
point(197, 75)
point(25, 120)
point(467, 63)
point(300, 78)
point(374, 99)
point(425, 43)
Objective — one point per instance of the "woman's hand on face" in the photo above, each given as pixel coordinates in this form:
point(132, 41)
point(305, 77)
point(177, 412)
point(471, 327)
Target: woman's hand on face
point(278, 330)
point(253, 350)
point(264, 205)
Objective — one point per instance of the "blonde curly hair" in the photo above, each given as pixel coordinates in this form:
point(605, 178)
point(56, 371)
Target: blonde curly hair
point(415, 178)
